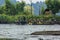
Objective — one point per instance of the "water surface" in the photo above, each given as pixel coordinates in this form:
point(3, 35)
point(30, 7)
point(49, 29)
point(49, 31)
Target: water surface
point(22, 31)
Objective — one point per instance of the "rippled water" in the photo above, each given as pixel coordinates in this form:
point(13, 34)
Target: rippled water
point(22, 32)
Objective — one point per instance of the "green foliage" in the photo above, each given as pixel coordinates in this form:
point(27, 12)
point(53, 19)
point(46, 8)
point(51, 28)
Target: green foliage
point(57, 18)
point(47, 17)
point(10, 9)
point(27, 10)
point(42, 10)
point(20, 7)
point(6, 19)
point(53, 5)
point(10, 13)
point(1, 11)
point(17, 18)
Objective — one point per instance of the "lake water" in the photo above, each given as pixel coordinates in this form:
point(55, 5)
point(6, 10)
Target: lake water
point(21, 32)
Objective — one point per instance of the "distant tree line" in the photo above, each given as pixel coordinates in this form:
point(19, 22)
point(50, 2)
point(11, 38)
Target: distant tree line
point(11, 9)
point(10, 13)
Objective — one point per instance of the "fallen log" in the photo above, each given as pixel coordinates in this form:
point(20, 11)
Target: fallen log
point(46, 33)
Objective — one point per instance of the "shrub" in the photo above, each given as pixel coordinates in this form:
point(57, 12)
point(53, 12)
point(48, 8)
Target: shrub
point(57, 18)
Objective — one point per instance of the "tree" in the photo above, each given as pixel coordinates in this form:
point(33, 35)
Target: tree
point(27, 10)
point(20, 7)
point(10, 8)
point(53, 5)
point(1, 10)
point(42, 10)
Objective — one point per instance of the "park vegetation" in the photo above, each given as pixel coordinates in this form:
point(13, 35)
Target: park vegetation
point(21, 14)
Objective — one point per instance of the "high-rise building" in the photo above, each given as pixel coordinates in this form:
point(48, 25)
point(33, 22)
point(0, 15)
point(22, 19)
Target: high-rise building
point(13, 1)
point(3, 2)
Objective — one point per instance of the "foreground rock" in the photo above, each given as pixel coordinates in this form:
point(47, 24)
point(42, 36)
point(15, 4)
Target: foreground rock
point(46, 33)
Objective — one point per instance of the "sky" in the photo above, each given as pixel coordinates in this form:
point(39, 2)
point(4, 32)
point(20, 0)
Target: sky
point(28, 1)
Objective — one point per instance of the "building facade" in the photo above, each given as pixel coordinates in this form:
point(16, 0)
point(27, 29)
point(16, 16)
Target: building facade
point(2, 2)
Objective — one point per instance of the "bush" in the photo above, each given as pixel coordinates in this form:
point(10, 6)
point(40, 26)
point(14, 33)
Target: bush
point(6, 18)
point(3, 18)
point(57, 18)
point(18, 18)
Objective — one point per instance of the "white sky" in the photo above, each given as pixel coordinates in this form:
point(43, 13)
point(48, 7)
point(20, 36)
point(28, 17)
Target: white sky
point(28, 1)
